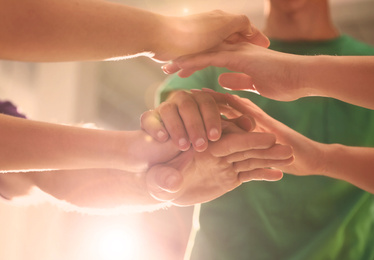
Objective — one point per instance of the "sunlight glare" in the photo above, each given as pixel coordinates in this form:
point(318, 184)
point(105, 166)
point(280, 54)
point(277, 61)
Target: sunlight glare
point(118, 243)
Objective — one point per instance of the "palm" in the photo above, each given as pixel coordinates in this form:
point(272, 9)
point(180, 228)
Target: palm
point(206, 177)
point(307, 152)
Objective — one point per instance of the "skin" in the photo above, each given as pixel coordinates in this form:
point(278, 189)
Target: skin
point(88, 30)
point(107, 191)
point(351, 164)
point(289, 77)
point(215, 171)
point(286, 77)
point(197, 109)
point(99, 30)
point(288, 20)
point(67, 147)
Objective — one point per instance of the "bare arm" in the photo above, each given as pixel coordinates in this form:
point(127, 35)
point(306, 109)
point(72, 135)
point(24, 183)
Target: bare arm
point(287, 77)
point(192, 177)
point(91, 191)
point(31, 145)
point(351, 164)
point(349, 78)
point(71, 30)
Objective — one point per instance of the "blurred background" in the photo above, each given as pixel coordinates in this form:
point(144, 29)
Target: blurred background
point(113, 95)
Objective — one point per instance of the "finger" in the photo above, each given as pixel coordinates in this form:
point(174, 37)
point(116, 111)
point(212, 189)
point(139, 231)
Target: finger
point(219, 57)
point(251, 164)
point(261, 175)
point(174, 125)
point(245, 122)
point(221, 101)
point(189, 112)
point(163, 182)
point(233, 143)
point(258, 38)
point(170, 68)
point(237, 37)
point(244, 106)
point(252, 35)
point(210, 114)
point(151, 123)
point(276, 152)
point(237, 81)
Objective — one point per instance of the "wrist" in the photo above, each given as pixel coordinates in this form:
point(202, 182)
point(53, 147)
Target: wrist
point(312, 75)
point(161, 36)
point(329, 160)
point(127, 152)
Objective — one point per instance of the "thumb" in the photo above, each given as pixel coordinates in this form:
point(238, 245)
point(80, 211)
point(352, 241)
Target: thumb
point(163, 182)
point(237, 81)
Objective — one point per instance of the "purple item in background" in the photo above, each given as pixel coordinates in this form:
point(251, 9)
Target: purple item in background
point(8, 108)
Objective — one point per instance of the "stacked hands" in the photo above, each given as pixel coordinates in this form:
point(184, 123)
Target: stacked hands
point(217, 154)
point(195, 154)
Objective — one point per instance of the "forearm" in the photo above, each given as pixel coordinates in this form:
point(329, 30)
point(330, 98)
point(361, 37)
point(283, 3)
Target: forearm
point(350, 79)
point(31, 145)
point(92, 191)
point(352, 164)
point(53, 30)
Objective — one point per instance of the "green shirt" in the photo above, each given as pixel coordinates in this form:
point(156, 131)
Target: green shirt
point(299, 217)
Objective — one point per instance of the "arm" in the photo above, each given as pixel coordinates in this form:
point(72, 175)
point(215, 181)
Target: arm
point(350, 78)
point(287, 77)
point(90, 191)
point(30, 145)
point(192, 177)
point(351, 164)
point(53, 30)
point(222, 166)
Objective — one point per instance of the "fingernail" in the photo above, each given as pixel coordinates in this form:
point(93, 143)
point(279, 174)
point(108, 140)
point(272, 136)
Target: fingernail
point(165, 69)
point(250, 31)
point(213, 133)
point(182, 142)
point(161, 134)
point(199, 142)
point(170, 181)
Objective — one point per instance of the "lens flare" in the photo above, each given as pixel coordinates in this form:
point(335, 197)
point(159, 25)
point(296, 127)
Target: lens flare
point(117, 243)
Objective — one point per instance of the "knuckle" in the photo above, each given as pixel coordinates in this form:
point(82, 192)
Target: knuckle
point(144, 116)
point(269, 139)
point(186, 104)
point(165, 107)
point(244, 19)
point(207, 101)
point(181, 94)
point(245, 165)
point(218, 12)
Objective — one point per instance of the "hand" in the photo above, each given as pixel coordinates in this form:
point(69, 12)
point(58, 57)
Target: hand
point(136, 151)
point(309, 155)
point(268, 73)
point(198, 32)
point(188, 117)
point(239, 156)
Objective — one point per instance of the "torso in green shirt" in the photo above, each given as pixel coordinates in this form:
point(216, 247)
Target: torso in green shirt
point(297, 218)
